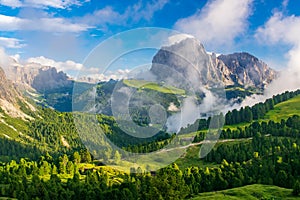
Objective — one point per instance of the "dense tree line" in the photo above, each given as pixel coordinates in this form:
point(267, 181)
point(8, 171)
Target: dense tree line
point(243, 115)
point(268, 154)
point(122, 139)
point(63, 179)
point(270, 157)
point(159, 143)
point(284, 128)
point(12, 150)
point(56, 133)
point(50, 127)
point(258, 111)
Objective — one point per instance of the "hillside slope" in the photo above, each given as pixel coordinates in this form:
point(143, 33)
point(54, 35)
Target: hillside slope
point(284, 109)
point(255, 191)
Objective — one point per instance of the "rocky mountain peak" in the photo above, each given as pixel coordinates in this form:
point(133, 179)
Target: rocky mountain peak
point(48, 78)
point(188, 58)
point(248, 70)
point(185, 59)
point(38, 77)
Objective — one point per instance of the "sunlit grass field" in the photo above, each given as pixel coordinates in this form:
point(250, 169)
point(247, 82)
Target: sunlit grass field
point(285, 109)
point(255, 191)
point(142, 84)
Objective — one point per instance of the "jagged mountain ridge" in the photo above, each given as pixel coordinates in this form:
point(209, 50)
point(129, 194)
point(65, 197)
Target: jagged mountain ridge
point(44, 84)
point(185, 63)
point(190, 59)
point(248, 70)
point(38, 77)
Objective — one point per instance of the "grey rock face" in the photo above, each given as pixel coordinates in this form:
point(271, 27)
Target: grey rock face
point(41, 78)
point(49, 79)
point(248, 70)
point(188, 60)
point(7, 90)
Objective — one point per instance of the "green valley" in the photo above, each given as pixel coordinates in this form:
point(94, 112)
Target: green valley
point(260, 152)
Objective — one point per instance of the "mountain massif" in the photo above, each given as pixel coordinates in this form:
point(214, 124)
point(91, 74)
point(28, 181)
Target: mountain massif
point(38, 77)
point(189, 59)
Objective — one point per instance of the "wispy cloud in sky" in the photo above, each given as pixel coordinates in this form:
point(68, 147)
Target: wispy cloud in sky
point(12, 23)
point(283, 30)
point(13, 43)
point(134, 13)
point(70, 29)
point(218, 23)
point(61, 4)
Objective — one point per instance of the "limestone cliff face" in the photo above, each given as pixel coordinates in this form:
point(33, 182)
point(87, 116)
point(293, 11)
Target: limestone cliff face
point(248, 70)
point(7, 90)
point(40, 78)
point(23, 76)
point(186, 61)
point(189, 59)
point(49, 79)
point(11, 100)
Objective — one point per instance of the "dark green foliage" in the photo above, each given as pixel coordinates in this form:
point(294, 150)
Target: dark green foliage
point(257, 111)
point(268, 153)
point(128, 142)
point(296, 188)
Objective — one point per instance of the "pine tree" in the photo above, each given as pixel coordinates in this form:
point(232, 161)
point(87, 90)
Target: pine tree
point(296, 188)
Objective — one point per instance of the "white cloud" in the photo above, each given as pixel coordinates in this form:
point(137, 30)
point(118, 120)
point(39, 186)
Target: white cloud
point(219, 22)
point(100, 18)
point(11, 3)
point(115, 75)
point(60, 66)
point(283, 30)
point(13, 43)
point(139, 11)
point(177, 38)
point(280, 28)
point(134, 13)
point(103, 17)
point(285, 3)
point(58, 25)
point(5, 60)
point(10, 23)
point(62, 4)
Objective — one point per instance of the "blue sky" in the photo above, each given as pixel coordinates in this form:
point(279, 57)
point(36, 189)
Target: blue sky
point(67, 30)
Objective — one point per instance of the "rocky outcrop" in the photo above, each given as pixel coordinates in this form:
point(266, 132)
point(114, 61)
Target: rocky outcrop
point(11, 100)
point(247, 70)
point(40, 78)
point(23, 76)
point(188, 61)
point(48, 79)
point(186, 64)
point(7, 91)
